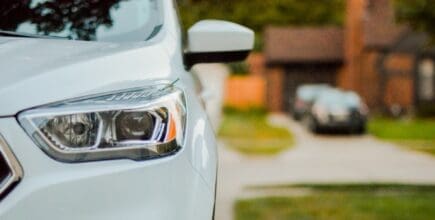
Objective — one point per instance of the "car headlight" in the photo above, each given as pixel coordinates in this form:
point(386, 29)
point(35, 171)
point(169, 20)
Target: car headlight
point(137, 124)
point(321, 113)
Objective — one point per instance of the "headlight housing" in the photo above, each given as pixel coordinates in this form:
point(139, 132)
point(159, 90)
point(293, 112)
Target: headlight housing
point(137, 124)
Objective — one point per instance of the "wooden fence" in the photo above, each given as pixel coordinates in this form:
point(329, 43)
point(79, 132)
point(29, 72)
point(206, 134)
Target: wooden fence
point(243, 92)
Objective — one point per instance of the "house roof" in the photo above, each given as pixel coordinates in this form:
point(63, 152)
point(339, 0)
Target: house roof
point(380, 29)
point(303, 45)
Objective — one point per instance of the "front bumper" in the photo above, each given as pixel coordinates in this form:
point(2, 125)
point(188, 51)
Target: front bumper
point(168, 188)
point(342, 122)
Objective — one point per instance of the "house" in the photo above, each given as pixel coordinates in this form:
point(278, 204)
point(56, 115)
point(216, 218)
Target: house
point(304, 55)
point(388, 64)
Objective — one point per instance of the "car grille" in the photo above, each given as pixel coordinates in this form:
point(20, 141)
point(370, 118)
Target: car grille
point(10, 170)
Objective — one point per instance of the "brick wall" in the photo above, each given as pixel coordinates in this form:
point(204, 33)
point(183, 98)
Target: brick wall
point(360, 72)
point(370, 79)
point(273, 78)
point(398, 86)
point(256, 64)
point(400, 63)
point(353, 45)
point(274, 96)
point(399, 91)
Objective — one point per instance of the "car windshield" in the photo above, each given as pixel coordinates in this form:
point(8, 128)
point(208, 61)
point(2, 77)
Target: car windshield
point(310, 92)
point(339, 98)
point(96, 20)
point(352, 99)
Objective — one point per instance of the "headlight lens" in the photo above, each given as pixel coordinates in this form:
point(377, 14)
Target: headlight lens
point(72, 131)
point(136, 124)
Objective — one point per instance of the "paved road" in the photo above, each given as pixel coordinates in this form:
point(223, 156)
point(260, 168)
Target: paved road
point(319, 159)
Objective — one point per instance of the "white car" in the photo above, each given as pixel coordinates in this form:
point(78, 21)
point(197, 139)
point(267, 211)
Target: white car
point(100, 117)
point(338, 110)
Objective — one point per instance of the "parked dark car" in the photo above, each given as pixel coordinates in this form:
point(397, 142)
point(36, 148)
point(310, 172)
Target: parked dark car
point(305, 96)
point(335, 109)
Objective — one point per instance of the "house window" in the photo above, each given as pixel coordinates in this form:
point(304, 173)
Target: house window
point(426, 80)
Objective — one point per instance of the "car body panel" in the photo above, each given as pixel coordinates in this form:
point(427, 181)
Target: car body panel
point(52, 75)
point(102, 190)
point(181, 186)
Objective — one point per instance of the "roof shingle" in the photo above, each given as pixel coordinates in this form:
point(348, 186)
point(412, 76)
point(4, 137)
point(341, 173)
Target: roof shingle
point(303, 45)
point(380, 28)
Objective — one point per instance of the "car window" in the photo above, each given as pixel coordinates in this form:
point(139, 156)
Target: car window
point(309, 93)
point(352, 100)
point(339, 98)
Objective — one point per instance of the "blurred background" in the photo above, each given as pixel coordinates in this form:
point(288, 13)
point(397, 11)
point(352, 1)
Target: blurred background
point(332, 116)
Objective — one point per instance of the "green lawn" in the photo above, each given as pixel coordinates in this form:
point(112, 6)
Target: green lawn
point(249, 132)
point(342, 202)
point(418, 134)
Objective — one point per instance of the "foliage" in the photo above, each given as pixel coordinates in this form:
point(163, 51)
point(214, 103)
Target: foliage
point(344, 202)
point(257, 14)
point(427, 146)
point(80, 17)
point(239, 68)
point(249, 132)
point(420, 14)
point(251, 112)
point(351, 187)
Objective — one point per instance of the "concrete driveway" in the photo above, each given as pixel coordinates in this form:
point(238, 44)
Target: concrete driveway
point(317, 159)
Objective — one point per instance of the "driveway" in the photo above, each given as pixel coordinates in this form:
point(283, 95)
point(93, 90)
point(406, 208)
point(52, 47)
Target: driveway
point(317, 159)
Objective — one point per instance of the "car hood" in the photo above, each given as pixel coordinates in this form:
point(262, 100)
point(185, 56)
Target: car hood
point(39, 71)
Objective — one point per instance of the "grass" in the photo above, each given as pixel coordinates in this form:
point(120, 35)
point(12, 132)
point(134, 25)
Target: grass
point(416, 134)
point(427, 146)
point(248, 132)
point(347, 201)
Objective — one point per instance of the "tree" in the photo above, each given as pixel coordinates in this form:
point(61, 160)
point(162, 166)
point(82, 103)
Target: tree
point(257, 14)
point(80, 18)
point(13, 13)
point(419, 14)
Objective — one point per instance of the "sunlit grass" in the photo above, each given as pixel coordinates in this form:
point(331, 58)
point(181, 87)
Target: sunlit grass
point(378, 201)
point(417, 134)
point(249, 133)
point(427, 146)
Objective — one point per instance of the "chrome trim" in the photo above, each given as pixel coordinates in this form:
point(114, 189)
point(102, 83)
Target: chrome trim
point(14, 166)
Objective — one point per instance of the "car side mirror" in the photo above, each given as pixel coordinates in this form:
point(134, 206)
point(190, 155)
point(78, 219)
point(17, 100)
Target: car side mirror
point(215, 41)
